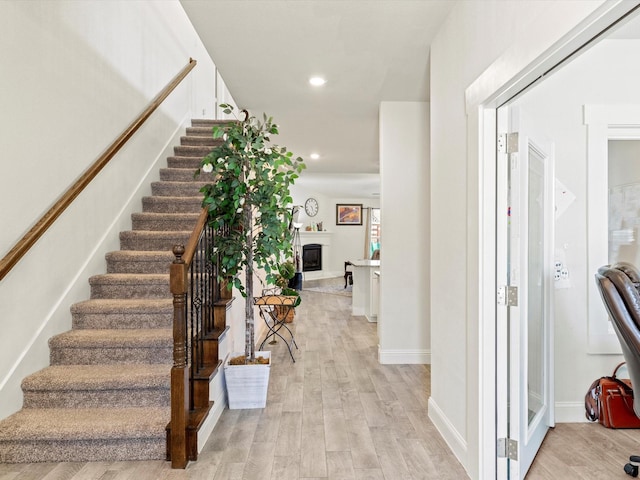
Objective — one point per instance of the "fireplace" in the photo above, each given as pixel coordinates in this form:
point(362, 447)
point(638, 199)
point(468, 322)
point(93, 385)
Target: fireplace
point(311, 257)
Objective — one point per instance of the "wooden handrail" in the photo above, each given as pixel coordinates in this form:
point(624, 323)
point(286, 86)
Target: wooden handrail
point(190, 249)
point(33, 235)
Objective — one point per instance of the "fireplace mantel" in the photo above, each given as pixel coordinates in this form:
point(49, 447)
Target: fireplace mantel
point(323, 238)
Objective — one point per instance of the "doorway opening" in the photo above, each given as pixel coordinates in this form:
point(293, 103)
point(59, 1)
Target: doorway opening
point(527, 91)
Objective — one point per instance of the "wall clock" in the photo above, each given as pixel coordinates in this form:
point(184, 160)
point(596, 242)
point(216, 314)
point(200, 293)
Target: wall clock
point(311, 207)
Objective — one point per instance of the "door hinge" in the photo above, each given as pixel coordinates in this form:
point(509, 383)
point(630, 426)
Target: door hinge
point(512, 142)
point(508, 296)
point(507, 142)
point(507, 448)
point(502, 143)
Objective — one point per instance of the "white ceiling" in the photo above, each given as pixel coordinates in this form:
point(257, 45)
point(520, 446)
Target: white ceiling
point(368, 50)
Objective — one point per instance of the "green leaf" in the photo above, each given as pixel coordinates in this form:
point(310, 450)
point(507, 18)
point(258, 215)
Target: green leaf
point(217, 132)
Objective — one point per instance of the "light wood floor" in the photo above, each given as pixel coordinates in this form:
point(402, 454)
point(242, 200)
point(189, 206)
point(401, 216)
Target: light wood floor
point(337, 414)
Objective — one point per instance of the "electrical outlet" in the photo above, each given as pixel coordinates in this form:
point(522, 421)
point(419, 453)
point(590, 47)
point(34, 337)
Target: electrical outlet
point(557, 270)
point(561, 275)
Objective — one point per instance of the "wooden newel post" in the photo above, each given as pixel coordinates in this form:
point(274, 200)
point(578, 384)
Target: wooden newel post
point(179, 371)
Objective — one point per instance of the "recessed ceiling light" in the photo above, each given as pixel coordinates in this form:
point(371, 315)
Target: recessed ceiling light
point(317, 81)
point(314, 156)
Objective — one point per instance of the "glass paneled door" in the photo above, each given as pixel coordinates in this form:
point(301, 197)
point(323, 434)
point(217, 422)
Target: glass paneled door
point(525, 273)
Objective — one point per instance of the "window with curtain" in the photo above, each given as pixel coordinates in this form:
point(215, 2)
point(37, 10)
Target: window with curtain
point(374, 234)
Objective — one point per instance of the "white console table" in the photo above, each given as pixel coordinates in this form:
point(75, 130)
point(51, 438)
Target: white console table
point(361, 302)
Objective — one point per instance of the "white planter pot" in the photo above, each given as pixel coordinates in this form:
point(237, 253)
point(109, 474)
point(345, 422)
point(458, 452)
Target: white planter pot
point(247, 385)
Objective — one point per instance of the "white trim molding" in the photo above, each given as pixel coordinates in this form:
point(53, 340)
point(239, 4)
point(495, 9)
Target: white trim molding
point(219, 398)
point(404, 357)
point(454, 439)
point(570, 412)
point(604, 123)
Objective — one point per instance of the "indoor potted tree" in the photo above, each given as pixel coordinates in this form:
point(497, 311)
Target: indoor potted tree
point(249, 201)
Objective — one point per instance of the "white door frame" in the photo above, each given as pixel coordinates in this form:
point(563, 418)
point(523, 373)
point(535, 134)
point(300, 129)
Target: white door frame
point(509, 75)
point(516, 226)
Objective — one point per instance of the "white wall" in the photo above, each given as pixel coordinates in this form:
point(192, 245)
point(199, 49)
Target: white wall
point(74, 75)
point(474, 36)
point(403, 321)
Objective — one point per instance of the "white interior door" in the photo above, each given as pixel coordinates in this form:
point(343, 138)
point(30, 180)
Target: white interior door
point(525, 310)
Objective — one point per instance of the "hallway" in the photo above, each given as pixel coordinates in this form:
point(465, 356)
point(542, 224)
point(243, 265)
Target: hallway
point(337, 414)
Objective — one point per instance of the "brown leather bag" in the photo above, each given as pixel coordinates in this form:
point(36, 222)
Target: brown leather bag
point(609, 400)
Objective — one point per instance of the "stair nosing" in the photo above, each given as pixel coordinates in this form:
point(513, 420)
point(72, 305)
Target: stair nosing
point(99, 378)
point(114, 423)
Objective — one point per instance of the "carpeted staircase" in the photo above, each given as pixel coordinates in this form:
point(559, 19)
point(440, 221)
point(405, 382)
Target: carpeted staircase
point(106, 395)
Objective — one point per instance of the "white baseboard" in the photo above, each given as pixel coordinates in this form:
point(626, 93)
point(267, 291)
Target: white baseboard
point(570, 412)
point(219, 397)
point(455, 441)
point(395, 357)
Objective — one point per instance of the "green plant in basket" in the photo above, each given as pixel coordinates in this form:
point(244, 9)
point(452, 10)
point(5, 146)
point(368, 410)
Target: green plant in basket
point(290, 292)
point(286, 271)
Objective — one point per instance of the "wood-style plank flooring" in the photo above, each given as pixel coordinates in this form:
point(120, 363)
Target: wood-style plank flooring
point(337, 414)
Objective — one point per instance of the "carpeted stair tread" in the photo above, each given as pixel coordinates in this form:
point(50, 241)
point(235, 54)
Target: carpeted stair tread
point(84, 434)
point(200, 131)
point(206, 131)
point(124, 305)
point(113, 338)
point(51, 424)
point(206, 122)
point(144, 255)
point(98, 377)
point(139, 261)
point(201, 140)
point(177, 174)
point(112, 346)
point(177, 189)
point(153, 240)
point(130, 285)
point(192, 163)
point(169, 204)
point(164, 221)
point(95, 450)
point(129, 278)
point(108, 313)
point(193, 150)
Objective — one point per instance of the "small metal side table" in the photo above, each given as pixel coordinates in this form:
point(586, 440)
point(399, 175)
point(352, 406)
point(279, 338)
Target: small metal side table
point(274, 310)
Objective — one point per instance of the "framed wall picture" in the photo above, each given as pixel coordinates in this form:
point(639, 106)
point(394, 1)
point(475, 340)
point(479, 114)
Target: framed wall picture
point(349, 214)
